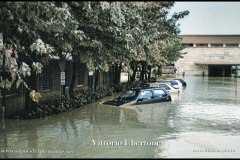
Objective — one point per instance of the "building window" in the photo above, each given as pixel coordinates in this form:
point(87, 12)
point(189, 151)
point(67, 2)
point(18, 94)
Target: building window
point(201, 45)
point(231, 45)
point(44, 79)
point(188, 44)
point(216, 45)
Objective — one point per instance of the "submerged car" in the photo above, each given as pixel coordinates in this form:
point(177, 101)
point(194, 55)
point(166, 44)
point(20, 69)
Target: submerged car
point(184, 83)
point(141, 96)
point(166, 86)
point(175, 83)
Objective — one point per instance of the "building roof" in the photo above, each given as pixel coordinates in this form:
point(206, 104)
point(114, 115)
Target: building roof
point(222, 39)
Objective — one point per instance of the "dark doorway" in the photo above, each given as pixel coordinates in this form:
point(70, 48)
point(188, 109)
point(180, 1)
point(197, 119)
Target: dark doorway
point(219, 70)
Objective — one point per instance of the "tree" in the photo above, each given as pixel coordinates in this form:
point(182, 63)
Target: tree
point(125, 32)
point(103, 35)
point(101, 22)
point(152, 25)
point(24, 25)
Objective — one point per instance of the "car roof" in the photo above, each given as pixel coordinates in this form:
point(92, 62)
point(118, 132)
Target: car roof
point(166, 80)
point(166, 83)
point(153, 88)
point(148, 88)
point(161, 83)
point(174, 79)
point(145, 88)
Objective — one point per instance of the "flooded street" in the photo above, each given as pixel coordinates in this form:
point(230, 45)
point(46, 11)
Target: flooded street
point(202, 122)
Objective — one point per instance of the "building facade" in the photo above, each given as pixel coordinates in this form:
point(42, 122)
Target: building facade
point(49, 83)
point(212, 55)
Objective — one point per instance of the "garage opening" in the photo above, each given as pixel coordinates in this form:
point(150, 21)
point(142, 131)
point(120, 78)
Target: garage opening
point(219, 70)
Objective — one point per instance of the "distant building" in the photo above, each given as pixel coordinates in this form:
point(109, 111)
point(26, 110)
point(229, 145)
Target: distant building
point(212, 55)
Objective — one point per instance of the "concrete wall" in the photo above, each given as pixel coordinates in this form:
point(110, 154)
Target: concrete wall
point(197, 59)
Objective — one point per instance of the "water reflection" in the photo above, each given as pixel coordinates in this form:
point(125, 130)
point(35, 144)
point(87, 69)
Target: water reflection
point(206, 112)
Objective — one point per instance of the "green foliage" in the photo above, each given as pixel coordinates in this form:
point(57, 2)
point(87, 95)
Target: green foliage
point(41, 48)
point(24, 70)
point(37, 67)
point(5, 84)
point(32, 31)
point(99, 34)
point(18, 83)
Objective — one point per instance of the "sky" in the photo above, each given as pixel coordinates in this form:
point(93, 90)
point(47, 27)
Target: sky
point(220, 18)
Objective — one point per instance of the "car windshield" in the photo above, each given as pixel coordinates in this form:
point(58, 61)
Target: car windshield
point(153, 85)
point(164, 86)
point(130, 93)
point(145, 94)
point(173, 82)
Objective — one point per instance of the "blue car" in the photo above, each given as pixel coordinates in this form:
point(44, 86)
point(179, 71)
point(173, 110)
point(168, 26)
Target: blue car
point(141, 96)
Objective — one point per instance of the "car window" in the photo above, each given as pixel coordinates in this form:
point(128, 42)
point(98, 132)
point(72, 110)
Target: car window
point(158, 93)
point(145, 95)
point(154, 85)
point(169, 82)
point(173, 82)
point(130, 93)
point(164, 86)
point(161, 85)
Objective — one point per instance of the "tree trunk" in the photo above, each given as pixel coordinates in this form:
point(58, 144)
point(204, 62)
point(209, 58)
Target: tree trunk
point(73, 79)
point(96, 79)
point(115, 70)
point(134, 69)
point(149, 71)
point(90, 82)
point(3, 90)
point(159, 71)
point(117, 74)
point(143, 75)
point(112, 76)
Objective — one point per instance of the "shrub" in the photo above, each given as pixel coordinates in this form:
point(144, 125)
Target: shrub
point(55, 104)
